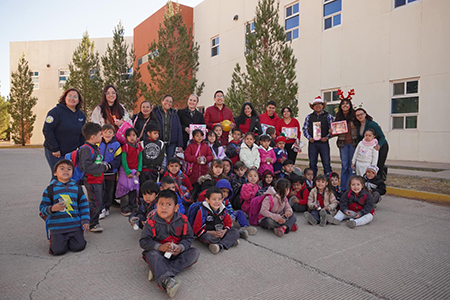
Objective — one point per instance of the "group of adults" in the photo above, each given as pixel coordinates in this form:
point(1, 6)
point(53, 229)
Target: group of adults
point(62, 127)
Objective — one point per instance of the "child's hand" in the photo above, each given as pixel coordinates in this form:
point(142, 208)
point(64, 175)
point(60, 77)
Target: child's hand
point(348, 213)
point(167, 247)
point(61, 206)
point(316, 207)
point(295, 200)
point(130, 175)
point(282, 159)
point(221, 233)
point(287, 214)
point(353, 166)
point(138, 173)
point(281, 220)
point(357, 216)
point(311, 140)
point(176, 249)
point(86, 227)
point(324, 139)
point(326, 208)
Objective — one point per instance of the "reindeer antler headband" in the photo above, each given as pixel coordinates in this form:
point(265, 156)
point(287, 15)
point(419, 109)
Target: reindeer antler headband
point(350, 93)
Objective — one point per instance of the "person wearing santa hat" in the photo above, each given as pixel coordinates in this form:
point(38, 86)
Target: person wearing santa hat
point(316, 130)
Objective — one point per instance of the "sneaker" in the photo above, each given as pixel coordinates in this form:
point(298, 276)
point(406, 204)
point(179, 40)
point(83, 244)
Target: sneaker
point(102, 214)
point(308, 216)
point(294, 227)
point(279, 231)
point(235, 244)
point(214, 248)
point(323, 217)
point(243, 234)
point(351, 223)
point(106, 212)
point(96, 228)
point(251, 230)
point(171, 286)
point(150, 275)
point(332, 220)
point(125, 213)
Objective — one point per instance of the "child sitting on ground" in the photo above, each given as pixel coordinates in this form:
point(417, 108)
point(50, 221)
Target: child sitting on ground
point(356, 204)
point(183, 185)
point(237, 216)
point(249, 154)
point(266, 154)
point(365, 153)
point(309, 177)
point(236, 183)
point(234, 146)
point(280, 154)
point(267, 179)
point(374, 184)
point(150, 191)
point(214, 144)
point(111, 151)
point(287, 169)
point(228, 168)
point(249, 190)
point(321, 202)
point(276, 213)
point(213, 224)
point(66, 210)
point(167, 183)
point(298, 197)
point(166, 239)
point(335, 186)
point(214, 175)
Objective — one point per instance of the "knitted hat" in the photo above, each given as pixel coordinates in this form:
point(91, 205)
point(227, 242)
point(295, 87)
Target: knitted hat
point(372, 168)
point(280, 138)
point(317, 100)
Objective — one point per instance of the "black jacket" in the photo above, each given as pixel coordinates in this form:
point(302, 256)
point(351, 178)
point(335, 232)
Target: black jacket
point(255, 124)
point(141, 121)
point(186, 119)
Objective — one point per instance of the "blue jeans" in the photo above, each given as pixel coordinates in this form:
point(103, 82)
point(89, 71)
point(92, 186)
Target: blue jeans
point(240, 217)
point(170, 152)
point(51, 160)
point(322, 148)
point(346, 154)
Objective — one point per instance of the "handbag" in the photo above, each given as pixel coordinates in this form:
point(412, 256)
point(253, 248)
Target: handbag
point(120, 135)
point(187, 167)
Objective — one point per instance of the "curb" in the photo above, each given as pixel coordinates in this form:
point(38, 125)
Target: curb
point(417, 194)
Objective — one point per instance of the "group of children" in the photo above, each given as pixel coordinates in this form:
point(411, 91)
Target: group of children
point(214, 193)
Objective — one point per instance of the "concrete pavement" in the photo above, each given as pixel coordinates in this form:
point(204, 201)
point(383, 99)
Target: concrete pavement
point(402, 254)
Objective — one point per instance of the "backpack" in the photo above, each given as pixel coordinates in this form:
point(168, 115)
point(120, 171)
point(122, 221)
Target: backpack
point(73, 156)
point(152, 222)
point(50, 194)
point(255, 208)
point(192, 212)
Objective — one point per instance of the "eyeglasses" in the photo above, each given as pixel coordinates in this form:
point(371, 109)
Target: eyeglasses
point(220, 96)
point(72, 97)
point(359, 115)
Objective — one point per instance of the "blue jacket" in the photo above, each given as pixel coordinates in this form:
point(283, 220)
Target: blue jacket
point(111, 154)
point(176, 134)
point(225, 184)
point(62, 129)
point(75, 214)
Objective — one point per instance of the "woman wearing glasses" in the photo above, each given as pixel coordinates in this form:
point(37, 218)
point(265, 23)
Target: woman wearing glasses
point(110, 111)
point(62, 127)
point(363, 122)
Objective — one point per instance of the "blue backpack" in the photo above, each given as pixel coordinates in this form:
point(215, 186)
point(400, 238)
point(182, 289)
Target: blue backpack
point(73, 156)
point(192, 212)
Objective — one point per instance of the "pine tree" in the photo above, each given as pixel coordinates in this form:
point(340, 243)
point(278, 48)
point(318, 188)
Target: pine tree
point(22, 103)
point(85, 74)
point(173, 60)
point(4, 118)
point(118, 68)
point(270, 65)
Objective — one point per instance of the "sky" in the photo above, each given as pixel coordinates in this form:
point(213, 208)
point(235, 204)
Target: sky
point(26, 20)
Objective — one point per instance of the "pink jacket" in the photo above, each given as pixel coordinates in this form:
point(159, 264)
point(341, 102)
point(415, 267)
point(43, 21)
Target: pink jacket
point(263, 154)
point(280, 206)
point(248, 192)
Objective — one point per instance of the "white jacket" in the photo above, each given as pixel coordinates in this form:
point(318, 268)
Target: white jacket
point(365, 153)
point(250, 157)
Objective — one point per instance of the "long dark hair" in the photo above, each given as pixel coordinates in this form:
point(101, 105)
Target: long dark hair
point(350, 115)
point(242, 117)
point(62, 99)
point(116, 109)
point(281, 185)
point(368, 117)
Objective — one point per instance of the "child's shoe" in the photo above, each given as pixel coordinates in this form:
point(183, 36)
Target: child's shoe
point(102, 214)
point(279, 231)
point(323, 217)
point(351, 223)
point(96, 228)
point(251, 230)
point(107, 212)
point(243, 234)
point(308, 216)
point(332, 220)
point(294, 227)
point(150, 275)
point(215, 248)
point(235, 244)
point(125, 213)
point(171, 286)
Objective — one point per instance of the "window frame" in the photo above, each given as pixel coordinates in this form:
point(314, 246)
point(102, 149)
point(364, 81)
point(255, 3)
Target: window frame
point(331, 16)
point(407, 2)
point(35, 79)
point(405, 94)
point(246, 33)
point(331, 103)
point(215, 46)
point(291, 16)
point(66, 74)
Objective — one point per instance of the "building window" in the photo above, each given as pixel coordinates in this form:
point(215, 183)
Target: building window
point(145, 58)
point(398, 3)
point(35, 79)
point(405, 104)
point(331, 97)
point(249, 29)
point(63, 76)
point(292, 21)
point(214, 46)
point(331, 13)
point(126, 76)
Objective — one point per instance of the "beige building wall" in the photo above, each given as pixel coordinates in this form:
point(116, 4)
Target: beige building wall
point(374, 46)
point(48, 57)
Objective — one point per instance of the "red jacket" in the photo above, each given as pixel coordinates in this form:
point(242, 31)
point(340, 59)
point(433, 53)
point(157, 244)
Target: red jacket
point(292, 124)
point(189, 156)
point(206, 219)
point(181, 179)
point(265, 119)
point(214, 115)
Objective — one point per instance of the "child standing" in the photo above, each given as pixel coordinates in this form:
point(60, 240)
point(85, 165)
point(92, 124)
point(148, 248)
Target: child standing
point(272, 133)
point(91, 162)
point(66, 223)
point(236, 183)
point(249, 190)
point(153, 154)
point(374, 184)
point(214, 144)
point(249, 154)
point(111, 151)
point(166, 239)
point(334, 185)
point(213, 224)
point(266, 154)
point(280, 154)
point(356, 204)
point(365, 153)
point(321, 203)
point(150, 191)
point(298, 197)
point(276, 213)
point(234, 146)
point(128, 184)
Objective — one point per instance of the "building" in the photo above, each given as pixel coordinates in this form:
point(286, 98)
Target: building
point(49, 62)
